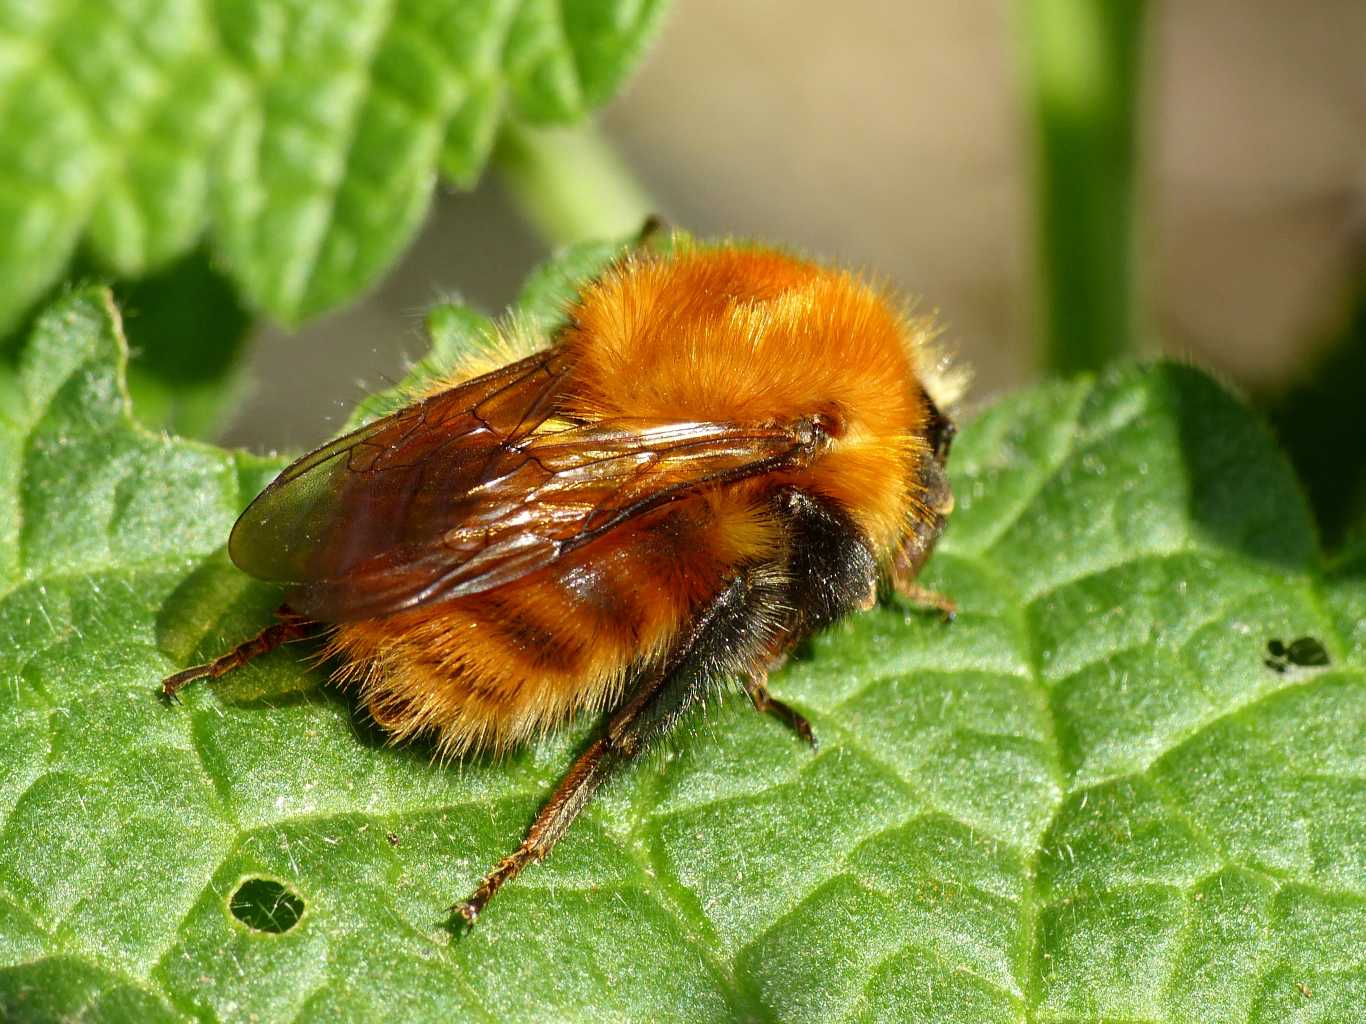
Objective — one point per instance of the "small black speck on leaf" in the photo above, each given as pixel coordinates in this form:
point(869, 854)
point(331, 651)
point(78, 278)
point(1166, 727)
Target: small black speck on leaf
point(1306, 652)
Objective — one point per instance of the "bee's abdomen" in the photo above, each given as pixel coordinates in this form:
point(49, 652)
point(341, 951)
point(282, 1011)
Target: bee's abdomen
point(494, 669)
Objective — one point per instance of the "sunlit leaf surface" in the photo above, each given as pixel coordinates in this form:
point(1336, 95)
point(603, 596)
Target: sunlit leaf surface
point(1090, 799)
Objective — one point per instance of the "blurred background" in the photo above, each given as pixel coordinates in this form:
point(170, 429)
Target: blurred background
point(898, 137)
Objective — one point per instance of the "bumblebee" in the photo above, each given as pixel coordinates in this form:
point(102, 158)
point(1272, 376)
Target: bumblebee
point(722, 450)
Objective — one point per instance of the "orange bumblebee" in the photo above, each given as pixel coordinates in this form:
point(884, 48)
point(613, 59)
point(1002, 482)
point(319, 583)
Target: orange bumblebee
point(724, 449)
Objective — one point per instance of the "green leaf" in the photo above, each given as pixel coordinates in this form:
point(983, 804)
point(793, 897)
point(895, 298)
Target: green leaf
point(304, 137)
point(1089, 799)
point(187, 335)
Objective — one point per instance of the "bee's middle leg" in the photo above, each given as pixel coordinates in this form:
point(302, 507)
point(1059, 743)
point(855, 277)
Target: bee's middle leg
point(757, 688)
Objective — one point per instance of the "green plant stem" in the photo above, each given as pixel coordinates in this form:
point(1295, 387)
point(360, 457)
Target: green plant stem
point(570, 184)
point(1083, 61)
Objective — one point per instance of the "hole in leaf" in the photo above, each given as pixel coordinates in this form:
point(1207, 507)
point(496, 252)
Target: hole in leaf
point(1306, 652)
point(265, 905)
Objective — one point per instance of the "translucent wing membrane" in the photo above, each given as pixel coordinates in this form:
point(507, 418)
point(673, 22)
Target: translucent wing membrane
point(361, 493)
point(470, 490)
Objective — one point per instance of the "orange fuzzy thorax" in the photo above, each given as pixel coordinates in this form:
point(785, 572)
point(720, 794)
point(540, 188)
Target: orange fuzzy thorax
point(750, 335)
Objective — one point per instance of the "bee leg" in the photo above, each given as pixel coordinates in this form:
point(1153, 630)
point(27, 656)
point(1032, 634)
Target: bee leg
point(290, 627)
point(589, 772)
point(924, 597)
point(757, 688)
point(722, 642)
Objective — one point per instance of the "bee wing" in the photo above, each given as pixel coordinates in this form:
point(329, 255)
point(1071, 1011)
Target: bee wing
point(461, 494)
point(364, 492)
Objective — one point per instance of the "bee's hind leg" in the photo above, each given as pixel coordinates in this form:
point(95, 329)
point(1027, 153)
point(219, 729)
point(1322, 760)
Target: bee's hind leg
point(289, 627)
point(724, 639)
point(576, 789)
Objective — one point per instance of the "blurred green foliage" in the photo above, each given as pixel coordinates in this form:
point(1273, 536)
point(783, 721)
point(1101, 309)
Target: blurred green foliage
point(303, 139)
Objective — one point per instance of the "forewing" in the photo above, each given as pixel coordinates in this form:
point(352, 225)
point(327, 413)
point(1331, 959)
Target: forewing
point(487, 507)
point(373, 490)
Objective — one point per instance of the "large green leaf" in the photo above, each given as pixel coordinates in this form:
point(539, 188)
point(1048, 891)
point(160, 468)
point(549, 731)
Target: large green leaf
point(186, 388)
point(1089, 799)
point(305, 136)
